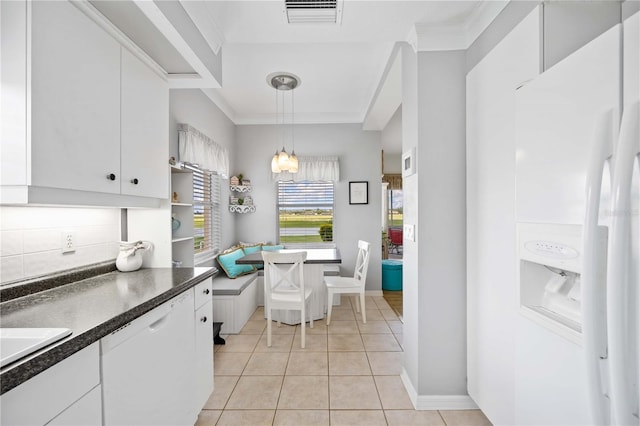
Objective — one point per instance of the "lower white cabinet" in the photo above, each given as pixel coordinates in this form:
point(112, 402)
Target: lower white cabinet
point(204, 354)
point(85, 411)
point(65, 391)
point(155, 370)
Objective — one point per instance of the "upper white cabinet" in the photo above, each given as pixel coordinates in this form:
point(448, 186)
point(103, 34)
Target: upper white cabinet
point(75, 101)
point(92, 120)
point(144, 116)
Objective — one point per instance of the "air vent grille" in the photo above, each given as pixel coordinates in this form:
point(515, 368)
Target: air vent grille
point(313, 11)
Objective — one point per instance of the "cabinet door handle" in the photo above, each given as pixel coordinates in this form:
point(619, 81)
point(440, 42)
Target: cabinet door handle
point(111, 176)
point(134, 181)
point(206, 291)
point(203, 319)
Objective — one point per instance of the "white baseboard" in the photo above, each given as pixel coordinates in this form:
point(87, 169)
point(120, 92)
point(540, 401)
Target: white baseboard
point(436, 402)
point(373, 293)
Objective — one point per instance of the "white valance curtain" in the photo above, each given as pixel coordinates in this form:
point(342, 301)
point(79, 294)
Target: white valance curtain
point(197, 148)
point(312, 169)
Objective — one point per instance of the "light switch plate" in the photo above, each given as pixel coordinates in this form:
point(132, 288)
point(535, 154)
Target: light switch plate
point(409, 232)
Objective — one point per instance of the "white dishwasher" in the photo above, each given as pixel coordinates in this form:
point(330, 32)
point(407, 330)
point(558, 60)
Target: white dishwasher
point(147, 367)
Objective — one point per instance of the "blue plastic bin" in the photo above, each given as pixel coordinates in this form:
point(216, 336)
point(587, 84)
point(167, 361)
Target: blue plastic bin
point(391, 274)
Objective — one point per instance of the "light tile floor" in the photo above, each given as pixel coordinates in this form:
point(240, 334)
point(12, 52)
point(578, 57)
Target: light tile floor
point(348, 374)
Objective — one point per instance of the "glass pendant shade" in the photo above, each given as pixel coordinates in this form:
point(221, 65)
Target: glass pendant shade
point(283, 160)
point(293, 162)
point(274, 164)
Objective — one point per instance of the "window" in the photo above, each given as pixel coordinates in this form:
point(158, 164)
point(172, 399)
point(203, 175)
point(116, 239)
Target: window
point(395, 207)
point(206, 215)
point(305, 213)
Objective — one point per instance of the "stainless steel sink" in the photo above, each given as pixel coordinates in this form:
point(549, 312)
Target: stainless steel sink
point(16, 343)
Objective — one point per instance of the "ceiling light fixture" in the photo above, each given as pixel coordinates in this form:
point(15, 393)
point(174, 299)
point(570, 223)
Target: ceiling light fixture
point(284, 82)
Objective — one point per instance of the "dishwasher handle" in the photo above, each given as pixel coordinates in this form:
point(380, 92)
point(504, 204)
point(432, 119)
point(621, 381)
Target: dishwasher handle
point(153, 321)
point(159, 324)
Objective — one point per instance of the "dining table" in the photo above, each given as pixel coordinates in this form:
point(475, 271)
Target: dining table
point(313, 272)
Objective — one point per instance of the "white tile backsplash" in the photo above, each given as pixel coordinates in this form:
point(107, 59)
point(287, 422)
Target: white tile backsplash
point(10, 243)
point(11, 268)
point(32, 238)
point(37, 240)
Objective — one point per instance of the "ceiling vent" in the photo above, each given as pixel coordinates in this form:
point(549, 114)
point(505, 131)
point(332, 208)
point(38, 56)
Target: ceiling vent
point(313, 11)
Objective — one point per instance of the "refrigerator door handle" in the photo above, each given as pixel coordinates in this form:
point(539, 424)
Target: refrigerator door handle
point(618, 279)
point(593, 288)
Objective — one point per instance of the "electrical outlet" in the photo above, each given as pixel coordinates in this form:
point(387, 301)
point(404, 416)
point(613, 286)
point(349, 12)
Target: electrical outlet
point(68, 242)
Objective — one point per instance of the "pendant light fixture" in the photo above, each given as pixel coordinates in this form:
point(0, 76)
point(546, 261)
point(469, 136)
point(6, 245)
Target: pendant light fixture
point(284, 82)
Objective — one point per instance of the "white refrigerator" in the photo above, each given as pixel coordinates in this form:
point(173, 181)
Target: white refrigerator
point(578, 214)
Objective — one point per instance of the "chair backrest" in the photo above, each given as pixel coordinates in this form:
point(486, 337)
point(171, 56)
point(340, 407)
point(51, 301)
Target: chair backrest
point(283, 272)
point(362, 262)
point(395, 235)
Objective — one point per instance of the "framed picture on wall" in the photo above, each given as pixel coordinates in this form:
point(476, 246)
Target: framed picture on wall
point(409, 162)
point(359, 192)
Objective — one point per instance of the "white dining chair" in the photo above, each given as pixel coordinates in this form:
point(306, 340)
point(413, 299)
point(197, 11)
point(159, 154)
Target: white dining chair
point(284, 287)
point(351, 285)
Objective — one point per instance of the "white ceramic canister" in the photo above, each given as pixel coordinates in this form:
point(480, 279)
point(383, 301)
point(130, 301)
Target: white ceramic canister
point(130, 255)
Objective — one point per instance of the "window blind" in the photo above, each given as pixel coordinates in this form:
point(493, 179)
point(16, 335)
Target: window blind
point(206, 214)
point(305, 213)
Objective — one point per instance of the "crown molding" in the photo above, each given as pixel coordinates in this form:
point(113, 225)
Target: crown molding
point(221, 103)
point(300, 118)
point(458, 36)
point(483, 17)
point(303, 118)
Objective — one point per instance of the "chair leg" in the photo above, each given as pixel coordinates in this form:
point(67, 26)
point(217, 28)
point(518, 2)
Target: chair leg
point(303, 325)
point(329, 306)
point(364, 315)
point(310, 318)
point(357, 303)
point(269, 328)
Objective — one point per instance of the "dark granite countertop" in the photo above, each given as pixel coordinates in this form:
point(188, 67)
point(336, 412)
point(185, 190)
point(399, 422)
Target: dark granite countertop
point(91, 308)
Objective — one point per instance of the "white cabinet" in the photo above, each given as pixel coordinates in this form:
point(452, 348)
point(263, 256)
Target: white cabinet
point(64, 393)
point(85, 118)
point(145, 129)
point(204, 343)
point(85, 411)
point(75, 101)
point(491, 153)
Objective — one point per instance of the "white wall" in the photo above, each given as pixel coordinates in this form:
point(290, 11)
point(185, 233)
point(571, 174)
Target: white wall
point(195, 108)
point(31, 239)
point(569, 25)
point(359, 155)
point(435, 265)
point(442, 218)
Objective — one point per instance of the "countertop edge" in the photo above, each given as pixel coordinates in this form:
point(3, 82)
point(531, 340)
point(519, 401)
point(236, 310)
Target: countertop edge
point(48, 357)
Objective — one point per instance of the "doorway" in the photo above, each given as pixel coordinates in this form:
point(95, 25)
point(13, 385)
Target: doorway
point(392, 247)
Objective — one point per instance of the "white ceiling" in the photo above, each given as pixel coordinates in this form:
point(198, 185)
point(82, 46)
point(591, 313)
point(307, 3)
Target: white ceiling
point(343, 67)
